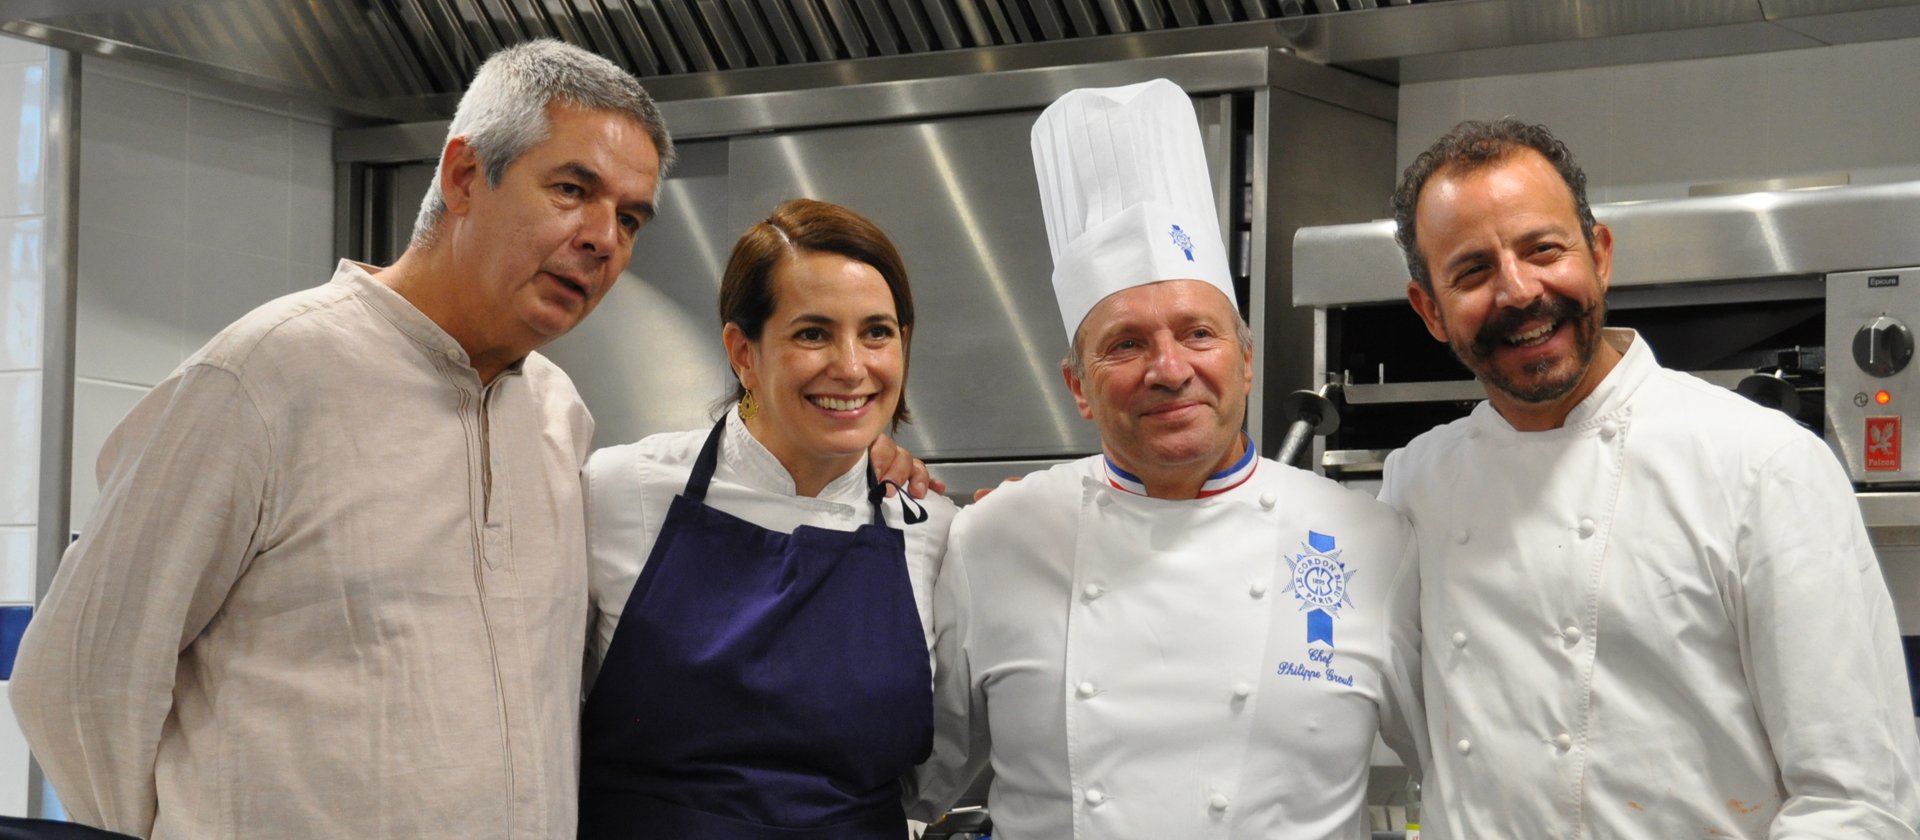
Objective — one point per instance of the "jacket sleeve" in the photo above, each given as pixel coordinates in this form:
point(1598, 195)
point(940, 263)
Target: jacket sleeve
point(961, 746)
point(1402, 717)
point(1824, 663)
point(184, 486)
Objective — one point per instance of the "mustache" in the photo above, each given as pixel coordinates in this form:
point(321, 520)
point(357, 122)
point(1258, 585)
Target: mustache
point(1493, 334)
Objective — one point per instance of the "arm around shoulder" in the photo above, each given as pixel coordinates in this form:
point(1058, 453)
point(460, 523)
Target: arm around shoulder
point(960, 736)
point(181, 513)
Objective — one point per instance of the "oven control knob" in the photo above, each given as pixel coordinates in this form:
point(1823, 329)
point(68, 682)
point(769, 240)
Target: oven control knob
point(1883, 347)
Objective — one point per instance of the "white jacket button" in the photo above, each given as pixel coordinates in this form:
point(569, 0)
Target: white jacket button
point(1463, 747)
point(1573, 635)
point(1104, 498)
point(1217, 802)
point(1460, 536)
point(1084, 689)
point(1459, 638)
point(1092, 591)
point(1268, 500)
point(1242, 691)
point(1608, 430)
point(1563, 741)
point(1258, 589)
point(1094, 796)
point(1587, 527)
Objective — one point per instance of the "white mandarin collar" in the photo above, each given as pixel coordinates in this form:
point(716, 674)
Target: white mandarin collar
point(1608, 399)
point(744, 460)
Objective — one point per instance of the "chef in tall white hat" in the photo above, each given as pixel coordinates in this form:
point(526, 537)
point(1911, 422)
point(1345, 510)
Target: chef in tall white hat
point(1175, 637)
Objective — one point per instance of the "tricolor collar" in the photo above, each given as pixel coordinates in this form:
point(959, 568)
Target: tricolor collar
point(1218, 483)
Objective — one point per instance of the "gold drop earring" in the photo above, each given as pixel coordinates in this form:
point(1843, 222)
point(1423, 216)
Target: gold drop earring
point(748, 408)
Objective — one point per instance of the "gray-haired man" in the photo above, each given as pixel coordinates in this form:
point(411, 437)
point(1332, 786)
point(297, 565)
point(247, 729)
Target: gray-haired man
point(336, 585)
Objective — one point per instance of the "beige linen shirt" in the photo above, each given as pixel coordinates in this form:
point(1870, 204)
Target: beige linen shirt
point(335, 588)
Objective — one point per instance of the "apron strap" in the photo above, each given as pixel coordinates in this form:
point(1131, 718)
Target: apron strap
point(703, 465)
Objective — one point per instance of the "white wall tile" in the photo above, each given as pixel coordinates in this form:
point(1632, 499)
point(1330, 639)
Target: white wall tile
point(133, 153)
point(131, 293)
point(13, 761)
point(23, 284)
point(238, 197)
point(19, 447)
point(311, 178)
point(18, 569)
point(14, 50)
point(23, 114)
point(224, 286)
point(97, 408)
point(141, 74)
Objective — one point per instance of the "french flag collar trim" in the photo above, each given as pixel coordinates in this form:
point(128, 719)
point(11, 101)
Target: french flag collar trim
point(1220, 482)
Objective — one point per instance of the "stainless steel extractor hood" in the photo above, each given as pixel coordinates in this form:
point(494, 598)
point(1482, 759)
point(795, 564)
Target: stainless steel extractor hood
point(408, 59)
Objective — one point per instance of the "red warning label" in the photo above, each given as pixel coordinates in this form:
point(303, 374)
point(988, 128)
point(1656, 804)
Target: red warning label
point(1883, 444)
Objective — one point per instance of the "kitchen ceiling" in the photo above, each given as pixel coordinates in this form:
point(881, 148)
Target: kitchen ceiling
point(408, 59)
point(396, 49)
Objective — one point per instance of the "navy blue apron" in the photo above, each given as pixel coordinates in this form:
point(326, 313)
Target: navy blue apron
point(760, 685)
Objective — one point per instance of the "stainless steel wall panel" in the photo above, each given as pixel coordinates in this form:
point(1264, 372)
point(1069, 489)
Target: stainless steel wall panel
point(1306, 141)
point(959, 199)
point(650, 359)
point(1047, 18)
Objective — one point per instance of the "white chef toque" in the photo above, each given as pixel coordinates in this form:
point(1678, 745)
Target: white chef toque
point(1127, 199)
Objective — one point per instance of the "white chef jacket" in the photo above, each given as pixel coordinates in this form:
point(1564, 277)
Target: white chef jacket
point(1140, 668)
point(630, 487)
point(335, 587)
point(1661, 620)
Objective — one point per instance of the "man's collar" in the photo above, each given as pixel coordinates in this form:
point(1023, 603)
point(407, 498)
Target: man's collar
point(1220, 482)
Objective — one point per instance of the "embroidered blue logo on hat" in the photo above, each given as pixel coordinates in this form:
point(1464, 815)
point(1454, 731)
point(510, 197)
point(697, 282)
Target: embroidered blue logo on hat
point(1182, 241)
point(1319, 583)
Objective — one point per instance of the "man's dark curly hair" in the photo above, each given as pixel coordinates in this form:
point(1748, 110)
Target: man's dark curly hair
point(1472, 145)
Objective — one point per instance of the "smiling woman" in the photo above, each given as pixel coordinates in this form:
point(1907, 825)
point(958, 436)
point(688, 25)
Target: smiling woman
point(762, 618)
point(818, 318)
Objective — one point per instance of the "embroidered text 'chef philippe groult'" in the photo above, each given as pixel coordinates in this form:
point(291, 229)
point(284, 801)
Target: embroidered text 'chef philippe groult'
point(1175, 637)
